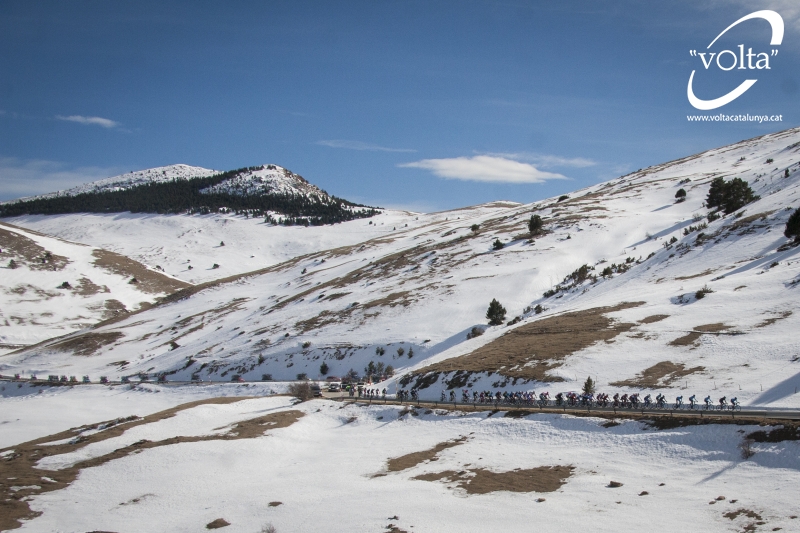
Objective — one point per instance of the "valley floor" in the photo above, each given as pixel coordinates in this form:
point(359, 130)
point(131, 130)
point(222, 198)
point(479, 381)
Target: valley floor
point(322, 465)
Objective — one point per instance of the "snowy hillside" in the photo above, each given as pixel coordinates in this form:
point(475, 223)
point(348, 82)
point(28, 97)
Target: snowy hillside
point(50, 287)
point(631, 318)
point(177, 242)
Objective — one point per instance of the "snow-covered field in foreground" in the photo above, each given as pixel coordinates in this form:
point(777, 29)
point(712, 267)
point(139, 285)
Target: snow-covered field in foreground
point(322, 469)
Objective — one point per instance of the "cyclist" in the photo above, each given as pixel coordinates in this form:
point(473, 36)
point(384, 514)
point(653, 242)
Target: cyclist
point(647, 401)
point(616, 399)
point(452, 396)
point(634, 399)
point(678, 402)
point(692, 401)
point(443, 397)
point(707, 399)
point(723, 402)
point(734, 403)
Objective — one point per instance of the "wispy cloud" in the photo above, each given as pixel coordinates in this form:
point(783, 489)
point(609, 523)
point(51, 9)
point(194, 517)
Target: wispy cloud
point(358, 145)
point(20, 178)
point(548, 161)
point(93, 121)
point(485, 168)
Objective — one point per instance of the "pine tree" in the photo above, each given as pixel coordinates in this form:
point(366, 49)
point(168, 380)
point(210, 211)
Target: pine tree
point(737, 194)
point(793, 226)
point(496, 313)
point(323, 368)
point(497, 245)
point(535, 224)
point(588, 386)
point(716, 193)
point(681, 193)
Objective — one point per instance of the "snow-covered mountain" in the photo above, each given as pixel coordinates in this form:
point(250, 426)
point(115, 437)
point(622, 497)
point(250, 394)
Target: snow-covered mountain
point(133, 179)
point(668, 297)
point(260, 180)
point(50, 287)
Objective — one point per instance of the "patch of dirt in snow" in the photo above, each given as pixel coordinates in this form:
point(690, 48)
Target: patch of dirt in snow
point(410, 460)
point(218, 523)
point(19, 461)
point(691, 337)
point(37, 258)
point(659, 375)
point(147, 280)
point(482, 481)
point(532, 350)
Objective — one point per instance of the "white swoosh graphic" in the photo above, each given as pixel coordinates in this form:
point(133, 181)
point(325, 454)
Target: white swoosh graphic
point(706, 105)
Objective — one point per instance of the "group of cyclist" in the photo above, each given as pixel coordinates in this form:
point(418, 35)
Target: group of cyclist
point(574, 399)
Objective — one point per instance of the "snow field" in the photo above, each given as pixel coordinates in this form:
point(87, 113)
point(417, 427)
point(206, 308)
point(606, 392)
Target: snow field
point(322, 460)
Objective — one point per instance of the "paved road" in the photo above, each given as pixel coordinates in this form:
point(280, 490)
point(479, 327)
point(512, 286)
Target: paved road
point(746, 412)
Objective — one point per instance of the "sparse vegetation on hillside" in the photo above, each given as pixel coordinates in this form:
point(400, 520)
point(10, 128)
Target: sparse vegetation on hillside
point(497, 245)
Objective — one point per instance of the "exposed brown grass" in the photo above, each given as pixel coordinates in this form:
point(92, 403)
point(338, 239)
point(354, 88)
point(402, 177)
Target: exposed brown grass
point(87, 344)
point(410, 460)
point(690, 338)
point(87, 287)
point(659, 375)
point(653, 318)
point(148, 281)
point(531, 351)
point(700, 275)
point(483, 481)
point(24, 250)
point(21, 464)
point(772, 320)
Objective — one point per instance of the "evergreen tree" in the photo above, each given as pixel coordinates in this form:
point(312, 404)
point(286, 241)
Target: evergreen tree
point(496, 313)
point(588, 386)
point(12, 264)
point(715, 193)
point(737, 194)
point(793, 226)
point(497, 245)
point(731, 195)
point(323, 368)
point(410, 352)
point(681, 193)
point(535, 224)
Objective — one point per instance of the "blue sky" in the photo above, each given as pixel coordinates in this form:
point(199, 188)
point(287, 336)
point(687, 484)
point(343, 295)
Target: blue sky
point(426, 104)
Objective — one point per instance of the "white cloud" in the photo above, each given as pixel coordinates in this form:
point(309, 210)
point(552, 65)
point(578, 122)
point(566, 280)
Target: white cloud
point(486, 168)
point(19, 178)
point(358, 145)
point(549, 161)
point(95, 121)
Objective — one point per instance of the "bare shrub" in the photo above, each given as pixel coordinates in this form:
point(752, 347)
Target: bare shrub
point(746, 447)
point(301, 391)
point(268, 528)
